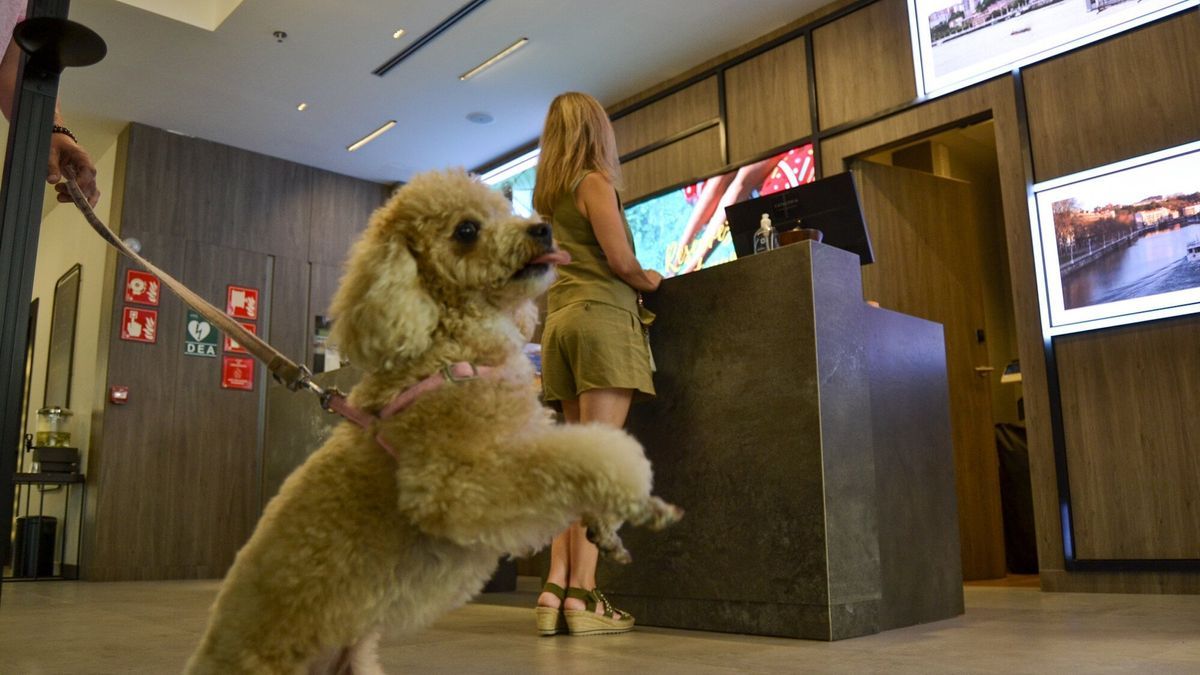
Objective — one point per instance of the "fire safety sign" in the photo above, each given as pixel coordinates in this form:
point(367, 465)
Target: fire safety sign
point(237, 372)
point(139, 325)
point(242, 303)
point(232, 345)
point(142, 288)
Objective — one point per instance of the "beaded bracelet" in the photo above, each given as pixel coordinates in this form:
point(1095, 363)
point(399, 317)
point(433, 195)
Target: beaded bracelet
point(59, 129)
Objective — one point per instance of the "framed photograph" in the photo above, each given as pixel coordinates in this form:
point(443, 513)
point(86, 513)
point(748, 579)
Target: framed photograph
point(1121, 243)
point(60, 360)
point(957, 43)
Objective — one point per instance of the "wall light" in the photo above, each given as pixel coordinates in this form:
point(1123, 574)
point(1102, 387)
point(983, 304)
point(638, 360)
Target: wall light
point(492, 61)
point(371, 136)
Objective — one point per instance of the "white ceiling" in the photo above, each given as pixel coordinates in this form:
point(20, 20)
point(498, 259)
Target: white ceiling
point(237, 85)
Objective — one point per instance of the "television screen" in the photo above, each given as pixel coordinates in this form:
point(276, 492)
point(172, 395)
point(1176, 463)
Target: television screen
point(829, 205)
point(685, 229)
point(515, 180)
point(960, 42)
point(1120, 244)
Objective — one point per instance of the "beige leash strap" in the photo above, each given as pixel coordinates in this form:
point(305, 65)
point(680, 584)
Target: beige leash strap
point(283, 368)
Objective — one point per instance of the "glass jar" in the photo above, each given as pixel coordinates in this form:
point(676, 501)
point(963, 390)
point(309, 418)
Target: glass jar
point(53, 428)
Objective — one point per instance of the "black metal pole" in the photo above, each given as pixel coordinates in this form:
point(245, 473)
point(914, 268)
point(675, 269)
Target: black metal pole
point(21, 194)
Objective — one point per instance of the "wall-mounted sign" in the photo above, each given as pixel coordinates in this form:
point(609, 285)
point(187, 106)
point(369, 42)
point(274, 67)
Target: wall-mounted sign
point(237, 372)
point(1120, 243)
point(242, 303)
point(960, 42)
point(142, 288)
point(232, 345)
point(200, 337)
point(139, 325)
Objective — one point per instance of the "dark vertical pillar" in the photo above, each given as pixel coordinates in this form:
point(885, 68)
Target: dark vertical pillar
point(20, 219)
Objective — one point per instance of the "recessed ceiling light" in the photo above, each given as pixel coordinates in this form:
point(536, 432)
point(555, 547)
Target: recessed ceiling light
point(480, 118)
point(399, 33)
point(371, 136)
point(492, 61)
point(302, 107)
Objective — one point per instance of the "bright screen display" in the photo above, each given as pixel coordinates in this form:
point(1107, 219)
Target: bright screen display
point(684, 230)
point(515, 180)
point(1120, 244)
point(960, 42)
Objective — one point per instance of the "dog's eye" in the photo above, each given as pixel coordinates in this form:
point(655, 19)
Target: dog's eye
point(467, 232)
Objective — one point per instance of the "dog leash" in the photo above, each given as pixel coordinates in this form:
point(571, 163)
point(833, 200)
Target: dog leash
point(294, 376)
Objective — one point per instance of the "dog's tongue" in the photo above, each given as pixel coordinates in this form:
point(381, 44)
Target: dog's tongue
point(555, 257)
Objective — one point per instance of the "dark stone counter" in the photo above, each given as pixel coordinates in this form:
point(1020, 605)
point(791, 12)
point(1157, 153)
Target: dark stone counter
point(807, 435)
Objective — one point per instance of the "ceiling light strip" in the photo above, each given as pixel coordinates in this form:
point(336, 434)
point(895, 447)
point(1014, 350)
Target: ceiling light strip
point(428, 37)
point(371, 136)
point(492, 61)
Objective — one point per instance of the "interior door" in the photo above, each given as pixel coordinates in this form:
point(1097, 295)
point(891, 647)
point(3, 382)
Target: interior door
point(928, 263)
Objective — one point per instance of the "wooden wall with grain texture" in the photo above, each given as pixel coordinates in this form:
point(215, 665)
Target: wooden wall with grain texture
point(1124, 96)
point(175, 474)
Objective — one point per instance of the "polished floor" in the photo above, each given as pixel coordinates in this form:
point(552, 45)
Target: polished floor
point(78, 628)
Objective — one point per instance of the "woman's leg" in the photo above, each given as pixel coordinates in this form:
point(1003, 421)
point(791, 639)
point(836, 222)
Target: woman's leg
point(609, 407)
point(560, 549)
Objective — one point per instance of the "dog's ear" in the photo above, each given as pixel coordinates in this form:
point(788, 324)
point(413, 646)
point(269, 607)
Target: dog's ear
point(382, 314)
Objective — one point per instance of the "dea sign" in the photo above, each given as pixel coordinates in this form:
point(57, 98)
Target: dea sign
point(200, 338)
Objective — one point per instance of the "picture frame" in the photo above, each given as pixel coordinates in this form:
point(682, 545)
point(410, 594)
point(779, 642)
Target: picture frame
point(1120, 243)
point(957, 43)
point(60, 359)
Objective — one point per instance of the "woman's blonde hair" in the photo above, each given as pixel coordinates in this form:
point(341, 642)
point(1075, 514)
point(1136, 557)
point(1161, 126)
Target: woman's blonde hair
point(576, 138)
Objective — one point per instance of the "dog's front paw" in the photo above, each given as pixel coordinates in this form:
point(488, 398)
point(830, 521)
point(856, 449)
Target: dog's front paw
point(605, 537)
point(656, 514)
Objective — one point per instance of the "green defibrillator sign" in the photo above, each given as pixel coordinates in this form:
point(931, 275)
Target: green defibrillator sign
point(200, 337)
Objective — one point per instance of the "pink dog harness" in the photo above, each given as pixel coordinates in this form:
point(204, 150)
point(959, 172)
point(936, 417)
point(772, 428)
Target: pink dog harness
point(454, 372)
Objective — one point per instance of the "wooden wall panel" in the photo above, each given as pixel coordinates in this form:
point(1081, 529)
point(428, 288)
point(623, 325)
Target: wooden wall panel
point(1129, 408)
point(211, 471)
point(925, 235)
point(132, 448)
point(662, 119)
point(175, 473)
point(996, 98)
point(863, 63)
point(693, 157)
point(340, 208)
point(1134, 94)
point(767, 101)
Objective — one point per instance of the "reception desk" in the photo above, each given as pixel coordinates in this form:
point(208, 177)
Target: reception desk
point(807, 436)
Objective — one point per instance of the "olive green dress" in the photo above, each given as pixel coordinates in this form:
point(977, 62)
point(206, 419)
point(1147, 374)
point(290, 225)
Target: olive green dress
point(594, 336)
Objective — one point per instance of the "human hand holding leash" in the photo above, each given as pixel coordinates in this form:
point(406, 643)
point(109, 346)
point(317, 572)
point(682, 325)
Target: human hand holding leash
point(65, 152)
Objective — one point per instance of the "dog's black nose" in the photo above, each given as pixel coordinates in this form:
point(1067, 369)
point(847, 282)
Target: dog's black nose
point(542, 233)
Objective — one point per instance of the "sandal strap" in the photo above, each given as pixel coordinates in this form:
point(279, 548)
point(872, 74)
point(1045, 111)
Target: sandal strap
point(595, 597)
point(554, 589)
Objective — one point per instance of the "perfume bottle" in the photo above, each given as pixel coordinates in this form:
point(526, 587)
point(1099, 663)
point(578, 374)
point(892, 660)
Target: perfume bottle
point(765, 238)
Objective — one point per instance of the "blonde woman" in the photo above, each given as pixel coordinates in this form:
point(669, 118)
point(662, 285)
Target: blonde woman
point(594, 352)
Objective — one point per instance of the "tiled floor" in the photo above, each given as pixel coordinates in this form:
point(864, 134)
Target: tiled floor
point(78, 627)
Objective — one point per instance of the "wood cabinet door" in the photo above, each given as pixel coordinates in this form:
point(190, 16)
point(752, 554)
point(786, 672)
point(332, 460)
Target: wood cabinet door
point(929, 263)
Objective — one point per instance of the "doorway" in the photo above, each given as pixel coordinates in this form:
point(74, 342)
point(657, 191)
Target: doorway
point(934, 209)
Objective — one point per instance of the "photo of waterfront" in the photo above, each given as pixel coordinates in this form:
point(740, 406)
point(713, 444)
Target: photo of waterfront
point(961, 40)
point(1130, 235)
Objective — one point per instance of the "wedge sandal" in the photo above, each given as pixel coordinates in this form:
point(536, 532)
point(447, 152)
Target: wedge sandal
point(588, 622)
point(550, 620)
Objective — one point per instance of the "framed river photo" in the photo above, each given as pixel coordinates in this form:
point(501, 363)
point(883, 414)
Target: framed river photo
point(1121, 243)
point(957, 43)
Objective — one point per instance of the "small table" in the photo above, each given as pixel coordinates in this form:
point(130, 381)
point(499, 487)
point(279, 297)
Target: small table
point(25, 483)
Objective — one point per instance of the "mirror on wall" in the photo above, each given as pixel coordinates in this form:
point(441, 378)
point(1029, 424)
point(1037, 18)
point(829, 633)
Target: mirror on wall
point(60, 359)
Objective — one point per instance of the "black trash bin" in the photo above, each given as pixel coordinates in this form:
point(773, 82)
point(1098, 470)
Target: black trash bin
point(1016, 499)
point(33, 555)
